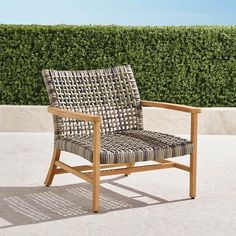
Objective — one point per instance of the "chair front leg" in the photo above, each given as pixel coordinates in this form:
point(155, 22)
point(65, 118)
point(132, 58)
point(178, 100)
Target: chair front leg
point(51, 171)
point(193, 156)
point(96, 167)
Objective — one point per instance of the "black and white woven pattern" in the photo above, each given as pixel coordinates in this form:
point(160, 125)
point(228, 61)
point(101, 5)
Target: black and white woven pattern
point(113, 94)
point(128, 146)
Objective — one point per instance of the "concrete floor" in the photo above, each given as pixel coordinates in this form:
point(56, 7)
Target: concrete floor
point(148, 203)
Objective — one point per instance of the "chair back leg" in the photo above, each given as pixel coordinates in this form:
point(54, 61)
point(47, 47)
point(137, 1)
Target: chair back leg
point(131, 164)
point(51, 171)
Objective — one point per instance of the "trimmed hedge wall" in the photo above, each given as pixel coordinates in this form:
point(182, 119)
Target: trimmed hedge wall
point(189, 65)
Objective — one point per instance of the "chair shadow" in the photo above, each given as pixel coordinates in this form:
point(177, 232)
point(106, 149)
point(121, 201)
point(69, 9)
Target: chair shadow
point(31, 205)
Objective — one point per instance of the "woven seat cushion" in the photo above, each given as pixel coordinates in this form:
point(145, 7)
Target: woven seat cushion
point(127, 146)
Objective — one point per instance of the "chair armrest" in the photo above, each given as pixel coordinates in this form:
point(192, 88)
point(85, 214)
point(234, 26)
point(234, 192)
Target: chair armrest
point(171, 106)
point(74, 115)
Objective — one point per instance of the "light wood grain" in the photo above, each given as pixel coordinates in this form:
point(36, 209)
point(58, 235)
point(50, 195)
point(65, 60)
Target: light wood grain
point(177, 165)
point(171, 106)
point(193, 156)
point(90, 167)
point(72, 171)
point(52, 168)
point(96, 166)
point(130, 170)
point(74, 115)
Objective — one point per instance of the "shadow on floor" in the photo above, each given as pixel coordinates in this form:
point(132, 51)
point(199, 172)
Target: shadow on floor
point(30, 205)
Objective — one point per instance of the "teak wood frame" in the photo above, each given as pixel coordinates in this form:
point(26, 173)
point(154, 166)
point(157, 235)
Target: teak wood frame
point(92, 173)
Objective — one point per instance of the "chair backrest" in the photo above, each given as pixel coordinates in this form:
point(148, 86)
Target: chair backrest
point(111, 92)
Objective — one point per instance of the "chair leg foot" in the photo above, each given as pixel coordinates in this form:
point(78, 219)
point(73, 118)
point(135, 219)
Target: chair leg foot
point(193, 170)
point(96, 197)
point(96, 187)
point(52, 168)
point(131, 164)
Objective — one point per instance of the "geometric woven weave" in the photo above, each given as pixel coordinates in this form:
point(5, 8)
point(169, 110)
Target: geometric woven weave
point(113, 94)
point(128, 146)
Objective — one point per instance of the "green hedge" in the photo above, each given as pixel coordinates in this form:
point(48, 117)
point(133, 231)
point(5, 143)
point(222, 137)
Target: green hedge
point(189, 65)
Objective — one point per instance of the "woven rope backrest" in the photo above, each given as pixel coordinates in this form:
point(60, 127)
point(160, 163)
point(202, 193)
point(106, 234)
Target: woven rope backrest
point(112, 93)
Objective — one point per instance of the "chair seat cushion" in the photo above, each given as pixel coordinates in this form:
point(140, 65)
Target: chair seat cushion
point(128, 146)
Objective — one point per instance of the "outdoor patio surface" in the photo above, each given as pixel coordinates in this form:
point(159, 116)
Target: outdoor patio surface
point(142, 204)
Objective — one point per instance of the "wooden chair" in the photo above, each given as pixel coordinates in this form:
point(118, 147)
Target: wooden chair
point(98, 115)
